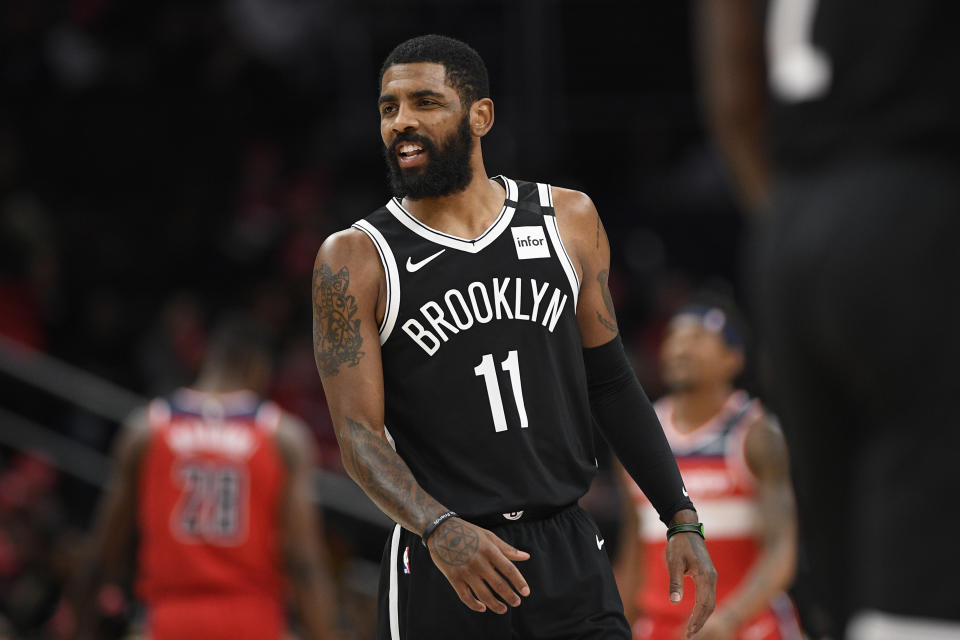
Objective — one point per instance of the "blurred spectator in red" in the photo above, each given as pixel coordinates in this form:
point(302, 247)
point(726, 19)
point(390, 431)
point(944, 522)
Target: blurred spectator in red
point(35, 547)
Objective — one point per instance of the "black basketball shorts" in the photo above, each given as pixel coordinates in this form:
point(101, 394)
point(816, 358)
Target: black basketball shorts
point(572, 589)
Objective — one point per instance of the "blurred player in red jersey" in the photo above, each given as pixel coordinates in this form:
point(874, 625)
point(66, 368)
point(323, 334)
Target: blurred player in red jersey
point(216, 483)
point(734, 464)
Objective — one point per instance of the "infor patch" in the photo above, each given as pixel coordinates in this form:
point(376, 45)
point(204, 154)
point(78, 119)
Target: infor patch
point(530, 242)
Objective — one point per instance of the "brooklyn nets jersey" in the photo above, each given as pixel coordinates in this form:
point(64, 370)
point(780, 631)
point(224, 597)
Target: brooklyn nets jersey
point(485, 388)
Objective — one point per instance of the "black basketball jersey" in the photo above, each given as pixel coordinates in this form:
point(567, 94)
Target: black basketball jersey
point(862, 77)
point(485, 387)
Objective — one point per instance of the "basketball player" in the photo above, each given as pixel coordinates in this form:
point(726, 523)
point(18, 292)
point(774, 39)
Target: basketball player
point(857, 303)
point(215, 482)
point(734, 464)
point(463, 333)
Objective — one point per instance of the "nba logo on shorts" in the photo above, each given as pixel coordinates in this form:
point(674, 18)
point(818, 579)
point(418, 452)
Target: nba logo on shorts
point(406, 560)
point(530, 242)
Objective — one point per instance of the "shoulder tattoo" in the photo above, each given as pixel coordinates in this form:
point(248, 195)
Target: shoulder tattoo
point(610, 323)
point(336, 333)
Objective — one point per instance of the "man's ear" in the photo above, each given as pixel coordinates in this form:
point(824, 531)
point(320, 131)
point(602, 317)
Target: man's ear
point(481, 117)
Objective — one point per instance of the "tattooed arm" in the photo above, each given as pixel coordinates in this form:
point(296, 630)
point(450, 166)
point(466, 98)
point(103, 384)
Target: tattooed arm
point(349, 291)
point(772, 572)
point(586, 241)
point(348, 300)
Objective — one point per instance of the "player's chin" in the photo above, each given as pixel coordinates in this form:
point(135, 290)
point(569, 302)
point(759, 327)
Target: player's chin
point(407, 169)
point(679, 383)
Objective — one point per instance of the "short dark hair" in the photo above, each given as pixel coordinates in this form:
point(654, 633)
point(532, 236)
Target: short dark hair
point(707, 299)
point(465, 70)
point(238, 338)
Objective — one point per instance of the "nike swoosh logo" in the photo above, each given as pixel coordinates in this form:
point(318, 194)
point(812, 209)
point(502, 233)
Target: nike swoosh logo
point(599, 542)
point(685, 492)
point(416, 266)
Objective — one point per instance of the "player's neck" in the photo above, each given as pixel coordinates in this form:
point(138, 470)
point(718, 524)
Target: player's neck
point(214, 381)
point(694, 408)
point(466, 214)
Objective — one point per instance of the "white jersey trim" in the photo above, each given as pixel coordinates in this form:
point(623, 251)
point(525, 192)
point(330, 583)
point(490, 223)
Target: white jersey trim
point(269, 416)
point(158, 413)
point(389, 263)
point(546, 194)
point(878, 625)
point(686, 443)
point(394, 604)
point(231, 401)
point(553, 230)
point(476, 245)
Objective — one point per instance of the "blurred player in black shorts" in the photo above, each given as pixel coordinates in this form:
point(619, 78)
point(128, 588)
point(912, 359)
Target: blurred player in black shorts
point(842, 119)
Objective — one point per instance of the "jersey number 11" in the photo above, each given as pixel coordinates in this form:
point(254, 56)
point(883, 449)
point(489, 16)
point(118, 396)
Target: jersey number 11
point(488, 370)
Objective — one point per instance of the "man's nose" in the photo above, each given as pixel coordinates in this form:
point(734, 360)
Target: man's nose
point(406, 120)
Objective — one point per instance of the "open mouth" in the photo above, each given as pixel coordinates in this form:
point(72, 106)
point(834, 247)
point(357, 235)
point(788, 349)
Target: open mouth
point(410, 154)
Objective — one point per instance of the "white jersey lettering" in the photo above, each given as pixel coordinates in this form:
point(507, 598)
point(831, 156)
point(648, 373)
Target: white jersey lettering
point(420, 335)
point(500, 297)
point(552, 314)
point(454, 313)
point(471, 291)
point(460, 312)
point(537, 297)
point(434, 315)
point(519, 315)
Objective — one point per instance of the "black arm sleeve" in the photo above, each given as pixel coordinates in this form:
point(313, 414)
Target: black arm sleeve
point(629, 423)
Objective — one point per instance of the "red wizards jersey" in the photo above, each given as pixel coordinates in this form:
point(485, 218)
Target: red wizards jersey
point(211, 484)
point(715, 473)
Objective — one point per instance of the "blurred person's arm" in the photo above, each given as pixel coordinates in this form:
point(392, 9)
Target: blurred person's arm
point(773, 570)
point(349, 294)
point(628, 564)
point(733, 86)
point(304, 553)
point(106, 561)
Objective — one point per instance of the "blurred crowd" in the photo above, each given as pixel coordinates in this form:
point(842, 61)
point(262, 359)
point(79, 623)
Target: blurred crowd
point(161, 163)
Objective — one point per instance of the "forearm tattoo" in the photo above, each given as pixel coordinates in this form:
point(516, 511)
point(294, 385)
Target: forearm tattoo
point(386, 478)
point(455, 544)
point(336, 333)
point(610, 323)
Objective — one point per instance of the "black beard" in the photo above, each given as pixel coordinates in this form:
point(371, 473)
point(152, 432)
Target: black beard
point(446, 172)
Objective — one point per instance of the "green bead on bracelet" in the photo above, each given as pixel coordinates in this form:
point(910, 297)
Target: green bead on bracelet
point(689, 527)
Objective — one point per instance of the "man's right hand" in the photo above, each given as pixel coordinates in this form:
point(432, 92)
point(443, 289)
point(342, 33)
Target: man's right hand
point(478, 565)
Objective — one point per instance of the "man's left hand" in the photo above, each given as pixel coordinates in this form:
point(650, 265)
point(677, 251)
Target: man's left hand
point(687, 556)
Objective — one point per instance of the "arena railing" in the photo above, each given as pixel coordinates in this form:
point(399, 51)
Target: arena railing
point(108, 400)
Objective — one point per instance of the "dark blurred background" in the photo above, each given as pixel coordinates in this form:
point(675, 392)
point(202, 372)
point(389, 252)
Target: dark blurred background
point(162, 162)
